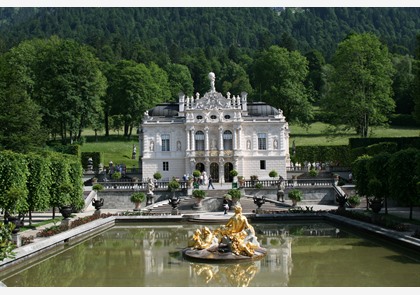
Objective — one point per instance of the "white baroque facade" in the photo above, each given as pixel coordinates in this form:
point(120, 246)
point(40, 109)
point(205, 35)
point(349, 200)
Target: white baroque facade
point(216, 134)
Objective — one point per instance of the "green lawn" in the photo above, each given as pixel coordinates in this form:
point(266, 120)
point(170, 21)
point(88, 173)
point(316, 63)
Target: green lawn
point(315, 134)
point(118, 150)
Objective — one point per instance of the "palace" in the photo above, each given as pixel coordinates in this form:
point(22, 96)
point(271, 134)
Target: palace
point(215, 134)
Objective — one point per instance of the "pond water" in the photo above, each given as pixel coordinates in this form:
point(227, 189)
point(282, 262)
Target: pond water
point(299, 254)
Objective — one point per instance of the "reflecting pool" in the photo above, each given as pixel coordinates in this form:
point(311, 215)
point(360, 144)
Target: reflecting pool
point(306, 254)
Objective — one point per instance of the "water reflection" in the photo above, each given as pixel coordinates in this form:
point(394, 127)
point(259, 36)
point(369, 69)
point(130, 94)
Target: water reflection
point(298, 254)
point(228, 275)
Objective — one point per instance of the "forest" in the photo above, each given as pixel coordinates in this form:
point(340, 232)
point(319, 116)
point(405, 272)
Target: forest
point(101, 68)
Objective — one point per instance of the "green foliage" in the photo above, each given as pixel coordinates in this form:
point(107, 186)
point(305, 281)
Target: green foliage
point(6, 243)
point(96, 158)
point(273, 173)
point(389, 147)
point(233, 173)
point(259, 185)
point(173, 185)
point(199, 194)
point(313, 172)
point(137, 197)
point(279, 78)
point(295, 194)
point(235, 193)
point(60, 175)
point(404, 169)
point(13, 177)
point(227, 197)
point(157, 175)
point(98, 187)
point(116, 175)
point(360, 174)
point(354, 200)
point(196, 173)
point(38, 182)
point(360, 85)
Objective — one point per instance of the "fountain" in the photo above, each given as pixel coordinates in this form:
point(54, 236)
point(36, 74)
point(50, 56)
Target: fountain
point(233, 242)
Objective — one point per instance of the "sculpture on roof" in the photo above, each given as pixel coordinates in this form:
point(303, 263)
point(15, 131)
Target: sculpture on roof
point(212, 78)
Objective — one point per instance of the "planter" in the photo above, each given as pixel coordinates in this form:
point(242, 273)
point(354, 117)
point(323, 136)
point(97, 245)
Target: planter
point(375, 205)
point(17, 222)
point(98, 203)
point(66, 211)
point(137, 206)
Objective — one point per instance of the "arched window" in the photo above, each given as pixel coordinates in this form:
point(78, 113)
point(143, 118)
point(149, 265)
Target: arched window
point(199, 141)
point(227, 140)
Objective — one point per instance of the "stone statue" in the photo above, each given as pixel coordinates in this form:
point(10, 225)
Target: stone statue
point(280, 189)
point(237, 236)
point(150, 186)
point(212, 78)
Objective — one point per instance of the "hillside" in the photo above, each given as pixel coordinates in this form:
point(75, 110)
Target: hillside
point(124, 30)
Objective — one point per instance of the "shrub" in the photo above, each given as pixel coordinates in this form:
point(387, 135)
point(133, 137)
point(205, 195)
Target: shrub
point(233, 173)
point(196, 173)
point(235, 193)
point(295, 195)
point(98, 187)
point(116, 175)
point(173, 185)
point(199, 194)
point(157, 175)
point(137, 197)
point(273, 173)
point(259, 185)
point(313, 173)
point(354, 200)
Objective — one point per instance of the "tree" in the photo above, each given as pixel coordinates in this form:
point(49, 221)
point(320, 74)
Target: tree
point(69, 85)
point(38, 183)
point(404, 177)
point(360, 176)
point(378, 174)
point(13, 177)
point(279, 81)
point(20, 118)
point(360, 87)
point(179, 80)
point(133, 89)
point(416, 112)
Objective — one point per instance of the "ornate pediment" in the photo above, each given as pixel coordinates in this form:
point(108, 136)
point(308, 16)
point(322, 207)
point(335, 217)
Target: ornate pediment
point(213, 101)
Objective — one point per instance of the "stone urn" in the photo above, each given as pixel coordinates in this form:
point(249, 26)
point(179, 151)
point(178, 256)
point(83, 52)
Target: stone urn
point(66, 211)
point(375, 205)
point(98, 203)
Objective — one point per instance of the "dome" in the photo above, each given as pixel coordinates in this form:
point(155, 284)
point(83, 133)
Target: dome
point(164, 110)
point(261, 109)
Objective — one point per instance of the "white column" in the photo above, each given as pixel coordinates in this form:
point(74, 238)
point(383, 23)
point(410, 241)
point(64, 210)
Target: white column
point(220, 139)
point(234, 139)
point(188, 140)
point(192, 139)
point(206, 138)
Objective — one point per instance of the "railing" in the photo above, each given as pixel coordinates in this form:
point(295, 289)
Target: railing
point(127, 184)
point(289, 183)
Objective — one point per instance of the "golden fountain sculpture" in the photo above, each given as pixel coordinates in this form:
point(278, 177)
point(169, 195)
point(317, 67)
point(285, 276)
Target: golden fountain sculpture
point(234, 241)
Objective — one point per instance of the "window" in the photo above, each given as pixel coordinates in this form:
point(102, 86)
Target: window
point(199, 117)
point(227, 117)
point(262, 164)
point(165, 166)
point(199, 141)
point(165, 143)
point(213, 117)
point(262, 141)
point(227, 140)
